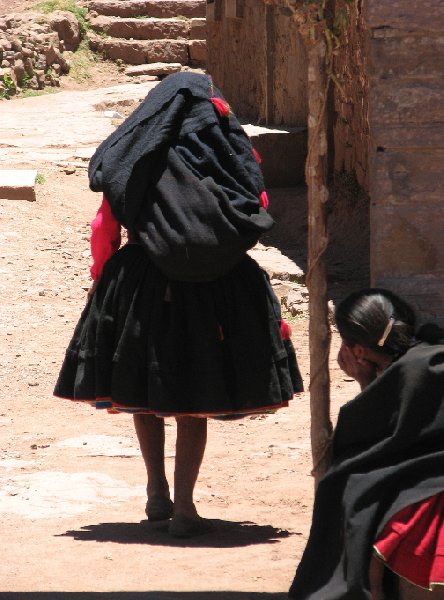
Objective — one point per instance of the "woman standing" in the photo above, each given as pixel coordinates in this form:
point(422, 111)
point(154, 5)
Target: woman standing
point(180, 322)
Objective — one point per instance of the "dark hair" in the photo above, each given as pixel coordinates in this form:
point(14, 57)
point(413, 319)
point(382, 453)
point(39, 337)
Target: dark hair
point(377, 319)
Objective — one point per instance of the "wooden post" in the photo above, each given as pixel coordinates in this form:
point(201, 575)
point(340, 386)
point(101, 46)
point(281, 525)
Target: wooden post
point(319, 329)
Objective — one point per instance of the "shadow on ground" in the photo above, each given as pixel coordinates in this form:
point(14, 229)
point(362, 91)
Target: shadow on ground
point(226, 534)
point(141, 596)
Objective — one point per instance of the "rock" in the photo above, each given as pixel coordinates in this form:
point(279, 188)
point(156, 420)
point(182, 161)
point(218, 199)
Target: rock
point(40, 74)
point(16, 45)
point(29, 67)
point(19, 70)
point(32, 84)
point(67, 28)
point(51, 55)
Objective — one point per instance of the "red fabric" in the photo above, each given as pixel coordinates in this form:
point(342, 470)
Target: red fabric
point(263, 200)
point(222, 106)
point(412, 542)
point(285, 330)
point(105, 238)
point(257, 156)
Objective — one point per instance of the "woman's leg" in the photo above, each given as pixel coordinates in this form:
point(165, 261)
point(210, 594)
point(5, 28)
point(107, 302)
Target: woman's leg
point(375, 574)
point(190, 448)
point(150, 432)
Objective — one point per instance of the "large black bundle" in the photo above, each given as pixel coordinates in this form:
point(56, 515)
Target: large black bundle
point(184, 180)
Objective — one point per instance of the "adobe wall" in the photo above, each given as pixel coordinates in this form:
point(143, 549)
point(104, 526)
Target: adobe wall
point(258, 61)
point(406, 175)
point(350, 119)
point(237, 59)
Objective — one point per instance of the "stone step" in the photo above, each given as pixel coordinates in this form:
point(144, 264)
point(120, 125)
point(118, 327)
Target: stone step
point(150, 28)
point(139, 52)
point(149, 8)
point(283, 153)
point(17, 184)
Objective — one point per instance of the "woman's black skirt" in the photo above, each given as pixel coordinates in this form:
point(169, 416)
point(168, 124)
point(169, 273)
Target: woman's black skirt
point(145, 344)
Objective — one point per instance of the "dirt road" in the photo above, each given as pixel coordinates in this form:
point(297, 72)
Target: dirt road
point(72, 482)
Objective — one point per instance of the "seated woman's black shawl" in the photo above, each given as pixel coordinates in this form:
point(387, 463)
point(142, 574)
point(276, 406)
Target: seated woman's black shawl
point(183, 180)
point(388, 453)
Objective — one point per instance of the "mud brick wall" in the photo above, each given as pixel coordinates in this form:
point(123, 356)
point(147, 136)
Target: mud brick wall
point(406, 174)
point(350, 104)
point(257, 58)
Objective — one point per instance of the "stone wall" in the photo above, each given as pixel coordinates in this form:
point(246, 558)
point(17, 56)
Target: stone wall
point(33, 49)
point(406, 175)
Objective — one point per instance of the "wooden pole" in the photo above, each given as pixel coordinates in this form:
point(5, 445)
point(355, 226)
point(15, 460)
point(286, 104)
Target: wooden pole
point(319, 329)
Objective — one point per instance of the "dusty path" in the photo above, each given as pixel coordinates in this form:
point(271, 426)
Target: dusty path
point(71, 480)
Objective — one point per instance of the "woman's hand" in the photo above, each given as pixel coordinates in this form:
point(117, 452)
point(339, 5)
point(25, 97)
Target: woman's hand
point(360, 369)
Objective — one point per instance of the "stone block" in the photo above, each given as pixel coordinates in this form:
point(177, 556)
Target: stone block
point(406, 240)
point(139, 52)
point(18, 184)
point(424, 292)
point(149, 8)
point(407, 136)
point(198, 29)
point(408, 176)
point(142, 29)
point(406, 103)
point(406, 14)
point(277, 264)
point(283, 152)
point(410, 56)
point(198, 53)
point(155, 69)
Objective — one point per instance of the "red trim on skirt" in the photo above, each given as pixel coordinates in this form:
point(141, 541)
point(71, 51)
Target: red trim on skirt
point(412, 542)
point(115, 408)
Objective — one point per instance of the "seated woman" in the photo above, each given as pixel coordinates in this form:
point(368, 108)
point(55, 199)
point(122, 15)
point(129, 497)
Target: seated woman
point(378, 520)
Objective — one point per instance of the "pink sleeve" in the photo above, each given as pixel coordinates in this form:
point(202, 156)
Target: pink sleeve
point(105, 238)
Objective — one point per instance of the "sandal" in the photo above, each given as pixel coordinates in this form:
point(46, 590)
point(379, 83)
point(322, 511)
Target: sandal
point(185, 527)
point(159, 508)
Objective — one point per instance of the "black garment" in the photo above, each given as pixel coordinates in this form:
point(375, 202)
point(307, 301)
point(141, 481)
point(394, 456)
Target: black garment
point(388, 453)
point(197, 348)
point(184, 180)
point(182, 321)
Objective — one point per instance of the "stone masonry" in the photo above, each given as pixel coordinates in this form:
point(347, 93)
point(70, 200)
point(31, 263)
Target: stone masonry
point(33, 50)
point(406, 176)
point(142, 32)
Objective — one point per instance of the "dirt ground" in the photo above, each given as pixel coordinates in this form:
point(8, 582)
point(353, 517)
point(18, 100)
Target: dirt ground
point(72, 483)
point(71, 479)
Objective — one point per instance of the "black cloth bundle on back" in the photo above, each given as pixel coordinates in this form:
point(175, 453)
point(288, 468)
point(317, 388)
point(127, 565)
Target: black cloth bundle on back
point(183, 180)
point(388, 453)
point(183, 321)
